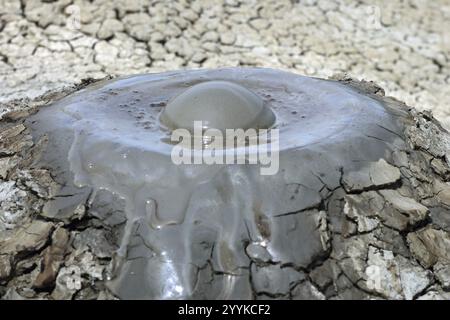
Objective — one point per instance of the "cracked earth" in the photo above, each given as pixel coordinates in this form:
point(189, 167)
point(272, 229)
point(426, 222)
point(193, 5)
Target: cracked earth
point(383, 233)
point(402, 46)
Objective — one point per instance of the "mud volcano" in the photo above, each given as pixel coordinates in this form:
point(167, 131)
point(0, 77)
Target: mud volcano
point(359, 183)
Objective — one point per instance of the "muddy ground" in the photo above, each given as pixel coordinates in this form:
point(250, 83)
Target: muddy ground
point(398, 253)
point(383, 232)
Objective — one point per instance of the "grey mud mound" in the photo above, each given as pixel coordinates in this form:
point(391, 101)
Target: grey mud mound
point(363, 216)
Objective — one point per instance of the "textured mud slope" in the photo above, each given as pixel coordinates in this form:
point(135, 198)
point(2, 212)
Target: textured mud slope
point(403, 45)
point(382, 232)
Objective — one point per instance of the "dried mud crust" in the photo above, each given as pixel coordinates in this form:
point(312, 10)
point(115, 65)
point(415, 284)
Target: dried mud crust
point(402, 45)
point(384, 232)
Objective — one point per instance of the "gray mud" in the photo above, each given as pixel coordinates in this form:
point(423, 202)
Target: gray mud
point(363, 215)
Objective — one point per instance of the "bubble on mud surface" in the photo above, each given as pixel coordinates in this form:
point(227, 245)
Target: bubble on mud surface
point(188, 226)
point(219, 104)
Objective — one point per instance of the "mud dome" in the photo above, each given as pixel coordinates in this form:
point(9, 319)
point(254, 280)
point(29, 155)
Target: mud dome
point(192, 230)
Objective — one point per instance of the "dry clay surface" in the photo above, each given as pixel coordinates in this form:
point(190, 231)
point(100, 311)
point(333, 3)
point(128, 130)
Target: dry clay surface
point(401, 45)
point(382, 233)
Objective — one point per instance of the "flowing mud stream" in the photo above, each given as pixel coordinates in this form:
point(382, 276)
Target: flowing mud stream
point(184, 219)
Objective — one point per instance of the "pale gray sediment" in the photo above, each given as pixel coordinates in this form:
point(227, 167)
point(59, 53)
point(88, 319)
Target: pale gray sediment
point(363, 217)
